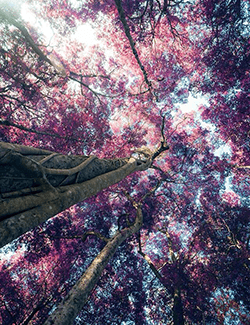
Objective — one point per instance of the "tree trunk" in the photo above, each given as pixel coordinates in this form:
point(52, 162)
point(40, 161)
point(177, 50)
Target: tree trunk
point(78, 295)
point(178, 308)
point(37, 184)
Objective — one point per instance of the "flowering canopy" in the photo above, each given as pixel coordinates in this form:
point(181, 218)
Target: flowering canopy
point(170, 71)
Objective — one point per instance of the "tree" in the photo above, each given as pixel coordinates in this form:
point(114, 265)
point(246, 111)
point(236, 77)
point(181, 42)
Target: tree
point(177, 223)
point(76, 299)
point(38, 184)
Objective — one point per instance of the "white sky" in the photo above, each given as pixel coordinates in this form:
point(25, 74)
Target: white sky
point(193, 103)
point(84, 33)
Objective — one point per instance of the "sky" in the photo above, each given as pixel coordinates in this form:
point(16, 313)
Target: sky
point(84, 33)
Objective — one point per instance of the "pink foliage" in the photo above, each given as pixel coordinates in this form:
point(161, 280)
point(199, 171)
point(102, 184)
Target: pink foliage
point(231, 198)
point(95, 100)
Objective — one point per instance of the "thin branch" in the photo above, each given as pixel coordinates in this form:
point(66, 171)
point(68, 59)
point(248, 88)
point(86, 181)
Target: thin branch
point(96, 93)
point(247, 167)
point(23, 128)
point(93, 233)
point(141, 16)
point(148, 260)
point(140, 93)
point(164, 146)
point(152, 191)
point(131, 42)
point(8, 310)
point(127, 220)
point(90, 75)
point(163, 172)
point(36, 309)
point(48, 157)
point(151, 265)
point(162, 129)
point(85, 85)
point(26, 35)
point(177, 126)
point(170, 244)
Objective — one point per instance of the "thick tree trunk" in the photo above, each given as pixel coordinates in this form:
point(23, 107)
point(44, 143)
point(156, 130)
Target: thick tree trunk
point(37, 184)
point(77, 297)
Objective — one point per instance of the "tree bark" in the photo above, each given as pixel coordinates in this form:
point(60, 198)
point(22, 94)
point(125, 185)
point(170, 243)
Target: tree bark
point(77, 297)
point(178, 308)
point(37, 184)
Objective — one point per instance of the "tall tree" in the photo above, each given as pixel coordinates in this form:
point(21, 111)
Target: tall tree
point(37, 184)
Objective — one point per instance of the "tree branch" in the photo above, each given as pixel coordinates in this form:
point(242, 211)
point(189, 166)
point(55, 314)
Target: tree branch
point(93, 233)
point(26, 35)
point(79, 294)
point(23, 128)
point(131, 42)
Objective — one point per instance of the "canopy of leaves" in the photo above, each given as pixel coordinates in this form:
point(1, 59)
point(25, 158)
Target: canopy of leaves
point(175, 69)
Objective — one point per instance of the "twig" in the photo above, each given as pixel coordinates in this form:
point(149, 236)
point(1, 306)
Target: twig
point(93, 233)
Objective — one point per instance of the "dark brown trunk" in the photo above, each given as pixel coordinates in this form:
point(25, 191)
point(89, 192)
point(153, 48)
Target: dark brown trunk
point(178, 308)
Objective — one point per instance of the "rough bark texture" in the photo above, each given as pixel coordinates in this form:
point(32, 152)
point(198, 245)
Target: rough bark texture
point(77, 297)
point(22, 169)
point(37, 184)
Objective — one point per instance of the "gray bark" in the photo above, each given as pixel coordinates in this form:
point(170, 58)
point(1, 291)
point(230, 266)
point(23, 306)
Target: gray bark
point(37, 184)
point(70, 307)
